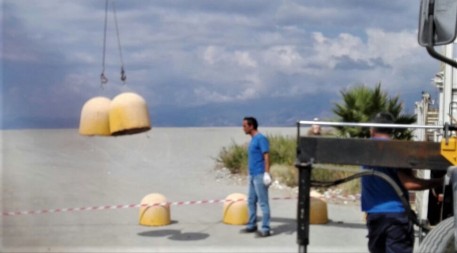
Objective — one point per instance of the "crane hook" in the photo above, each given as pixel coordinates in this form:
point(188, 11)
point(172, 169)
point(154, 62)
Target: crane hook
point(103, 79)
point(123, 76)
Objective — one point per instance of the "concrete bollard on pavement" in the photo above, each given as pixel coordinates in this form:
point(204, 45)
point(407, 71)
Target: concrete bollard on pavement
point(154, 210)
point(318, 211)
point(235, 210)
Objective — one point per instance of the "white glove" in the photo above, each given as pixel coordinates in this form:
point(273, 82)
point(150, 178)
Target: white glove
point(447, 179)
point(267, 179)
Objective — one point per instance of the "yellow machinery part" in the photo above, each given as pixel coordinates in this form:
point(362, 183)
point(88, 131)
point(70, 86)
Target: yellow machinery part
point(449, 149)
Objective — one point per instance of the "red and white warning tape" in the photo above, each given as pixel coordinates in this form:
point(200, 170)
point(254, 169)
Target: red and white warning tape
point(99, 208)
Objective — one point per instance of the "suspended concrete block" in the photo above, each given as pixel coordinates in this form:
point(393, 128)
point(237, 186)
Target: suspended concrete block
point(235, 210)
point(128, 114)
point(318, 211)
point(154, 210)
point(95, 117)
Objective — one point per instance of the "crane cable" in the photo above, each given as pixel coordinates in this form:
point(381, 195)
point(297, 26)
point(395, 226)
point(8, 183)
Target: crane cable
point(123, 76)
point(103, 78)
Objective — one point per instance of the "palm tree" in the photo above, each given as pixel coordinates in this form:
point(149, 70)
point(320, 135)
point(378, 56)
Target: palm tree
point(362, 103)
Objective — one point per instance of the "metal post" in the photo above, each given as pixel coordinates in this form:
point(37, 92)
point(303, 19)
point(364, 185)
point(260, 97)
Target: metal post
point(303, 209)
point(367, 124)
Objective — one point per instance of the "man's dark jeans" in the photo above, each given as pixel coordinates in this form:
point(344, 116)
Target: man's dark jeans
point(390, 233)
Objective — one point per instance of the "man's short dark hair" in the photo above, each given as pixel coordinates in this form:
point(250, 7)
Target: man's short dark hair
point(252, 122)
point(383, 118)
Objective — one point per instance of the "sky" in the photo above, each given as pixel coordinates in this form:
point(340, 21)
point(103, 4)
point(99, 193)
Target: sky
point(207, 62)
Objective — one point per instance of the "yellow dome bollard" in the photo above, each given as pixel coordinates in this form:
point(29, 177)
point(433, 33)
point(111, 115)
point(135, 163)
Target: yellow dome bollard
point(153, 211)
point(318, 211)
point(95, 117)
point(235, 209)
point(128, 114)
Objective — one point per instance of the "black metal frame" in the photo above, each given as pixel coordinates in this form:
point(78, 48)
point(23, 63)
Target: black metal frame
point(393, 154)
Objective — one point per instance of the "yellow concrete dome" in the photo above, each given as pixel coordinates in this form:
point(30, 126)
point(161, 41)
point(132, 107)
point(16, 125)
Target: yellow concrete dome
point(128, 114)
point(153, 211)
point(95, 117)
point(318, 211)
point(235, 210)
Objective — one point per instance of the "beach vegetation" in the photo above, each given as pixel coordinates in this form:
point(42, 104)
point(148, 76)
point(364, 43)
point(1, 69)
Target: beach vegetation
point(283, 170)
point(235, 157)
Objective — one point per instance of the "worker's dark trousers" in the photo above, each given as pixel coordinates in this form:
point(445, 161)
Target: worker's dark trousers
point(390, 233)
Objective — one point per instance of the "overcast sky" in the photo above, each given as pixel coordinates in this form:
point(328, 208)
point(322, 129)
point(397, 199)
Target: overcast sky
point(194, 56)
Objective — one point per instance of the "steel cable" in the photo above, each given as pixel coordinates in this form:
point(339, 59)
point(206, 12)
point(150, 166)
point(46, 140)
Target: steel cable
point(103, 78)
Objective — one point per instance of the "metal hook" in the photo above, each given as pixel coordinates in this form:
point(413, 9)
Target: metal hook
point(123, 76)
point(103, 79)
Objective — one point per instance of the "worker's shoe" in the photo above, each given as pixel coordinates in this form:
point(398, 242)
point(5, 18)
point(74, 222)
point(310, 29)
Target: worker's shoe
point(263, 233)
point(248, 230)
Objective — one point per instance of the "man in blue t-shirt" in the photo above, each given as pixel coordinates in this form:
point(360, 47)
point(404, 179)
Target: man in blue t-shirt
point(259, 177)
point(389, 227)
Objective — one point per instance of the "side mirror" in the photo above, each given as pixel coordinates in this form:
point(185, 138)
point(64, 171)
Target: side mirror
point(437, 26)
point(437, 22)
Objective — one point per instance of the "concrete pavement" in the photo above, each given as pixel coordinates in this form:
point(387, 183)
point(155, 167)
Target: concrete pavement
point(47, 169)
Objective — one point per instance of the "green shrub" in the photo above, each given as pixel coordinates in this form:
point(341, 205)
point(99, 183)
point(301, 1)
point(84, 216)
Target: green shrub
point(234, 158)
point(282, 149)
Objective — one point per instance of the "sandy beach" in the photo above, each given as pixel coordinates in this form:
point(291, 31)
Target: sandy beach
point(52, 169)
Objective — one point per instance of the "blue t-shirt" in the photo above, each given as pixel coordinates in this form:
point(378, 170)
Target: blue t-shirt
point(378, 196)
point(257, 147)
